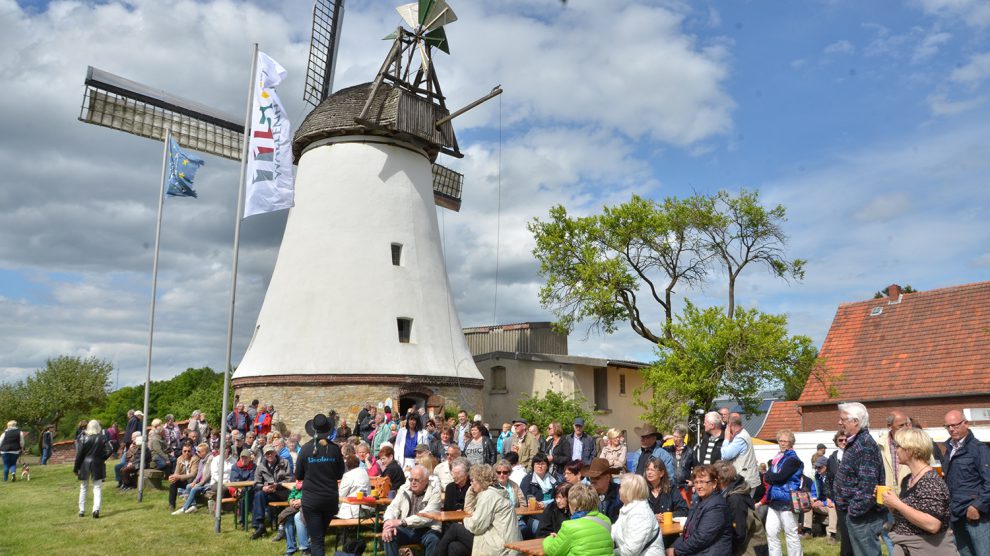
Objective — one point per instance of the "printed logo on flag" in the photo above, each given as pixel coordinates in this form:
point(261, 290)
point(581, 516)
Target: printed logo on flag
point(270, 184)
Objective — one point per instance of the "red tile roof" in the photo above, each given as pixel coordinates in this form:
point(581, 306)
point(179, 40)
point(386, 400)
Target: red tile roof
point(930, 343)
point(782, 415)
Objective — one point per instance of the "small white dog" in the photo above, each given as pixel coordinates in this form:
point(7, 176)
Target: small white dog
point(26, 473)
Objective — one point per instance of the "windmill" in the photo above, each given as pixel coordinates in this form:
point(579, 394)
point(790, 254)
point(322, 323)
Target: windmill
point(359, 306)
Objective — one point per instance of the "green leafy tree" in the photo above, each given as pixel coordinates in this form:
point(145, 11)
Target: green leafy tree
point(554, 406)
point(625, 265)
point(67, 385)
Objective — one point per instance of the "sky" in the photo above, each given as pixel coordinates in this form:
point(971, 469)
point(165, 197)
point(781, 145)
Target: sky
point(868, 121)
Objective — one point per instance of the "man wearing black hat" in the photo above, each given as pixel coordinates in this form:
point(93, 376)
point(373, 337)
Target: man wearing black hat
point(319, 466)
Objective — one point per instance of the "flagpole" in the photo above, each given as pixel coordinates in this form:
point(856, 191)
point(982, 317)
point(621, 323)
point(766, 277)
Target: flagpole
point(151, 318)
point(233, 278)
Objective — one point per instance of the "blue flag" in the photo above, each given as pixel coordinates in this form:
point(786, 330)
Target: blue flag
point(181, 170)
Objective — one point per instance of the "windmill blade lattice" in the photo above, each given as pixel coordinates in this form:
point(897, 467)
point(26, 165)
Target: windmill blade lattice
point(327, 18)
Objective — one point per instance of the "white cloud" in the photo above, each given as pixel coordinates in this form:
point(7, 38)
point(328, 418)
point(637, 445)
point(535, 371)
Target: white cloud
point(929, 46)
point(941, 105)
point(840, 47)
point(586, 84)
point(975, 13)
point(975, 72)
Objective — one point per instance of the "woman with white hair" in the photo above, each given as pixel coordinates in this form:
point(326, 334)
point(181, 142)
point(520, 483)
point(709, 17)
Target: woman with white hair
point(94, 449)
point(636, 531)
point(614, 451)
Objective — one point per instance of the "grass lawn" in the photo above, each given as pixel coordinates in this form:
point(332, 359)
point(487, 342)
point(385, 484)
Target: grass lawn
point(41, 517)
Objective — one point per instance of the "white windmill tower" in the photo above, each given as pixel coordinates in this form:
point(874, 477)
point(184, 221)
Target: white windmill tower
point(359, 308)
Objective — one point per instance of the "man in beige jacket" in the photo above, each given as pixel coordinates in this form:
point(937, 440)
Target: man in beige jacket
point(402, 523)
point(524, 444)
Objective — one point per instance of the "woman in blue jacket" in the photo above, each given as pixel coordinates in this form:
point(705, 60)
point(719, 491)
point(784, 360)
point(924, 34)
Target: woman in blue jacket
point(708, 531)
point(783, 477)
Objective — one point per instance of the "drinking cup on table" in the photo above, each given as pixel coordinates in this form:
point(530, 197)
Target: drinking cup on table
point(532, 503)
point(668, 518)
point(880, 490)
point(359, 495)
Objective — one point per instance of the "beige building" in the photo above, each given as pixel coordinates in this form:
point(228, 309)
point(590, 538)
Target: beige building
point(531, 358)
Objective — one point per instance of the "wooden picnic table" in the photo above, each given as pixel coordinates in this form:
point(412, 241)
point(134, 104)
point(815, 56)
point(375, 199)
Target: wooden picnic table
point(532, 547)
point(459, 515)
point(242, 486)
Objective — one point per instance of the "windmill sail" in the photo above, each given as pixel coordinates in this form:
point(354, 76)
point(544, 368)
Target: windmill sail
point(328, 15)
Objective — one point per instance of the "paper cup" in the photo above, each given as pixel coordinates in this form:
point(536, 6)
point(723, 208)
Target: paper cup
point(880, 490)
point(668, 518)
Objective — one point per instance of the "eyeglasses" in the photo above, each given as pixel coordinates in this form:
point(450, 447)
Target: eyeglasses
point(501, 472)
point(896, 445)
point(704, 482)
point(950, 426)
point(841, 441)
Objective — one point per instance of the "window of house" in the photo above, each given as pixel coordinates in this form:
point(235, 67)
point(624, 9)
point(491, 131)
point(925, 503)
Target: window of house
point(405, 329)
point(498, 380)
point(601, 389)
point(396, 254)
point(622, 385)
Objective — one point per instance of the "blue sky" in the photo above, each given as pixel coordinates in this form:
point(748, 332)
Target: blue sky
point(867, 120)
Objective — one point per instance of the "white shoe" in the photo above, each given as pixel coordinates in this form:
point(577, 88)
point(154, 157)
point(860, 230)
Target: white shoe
point(191, 509)
point(180, 511)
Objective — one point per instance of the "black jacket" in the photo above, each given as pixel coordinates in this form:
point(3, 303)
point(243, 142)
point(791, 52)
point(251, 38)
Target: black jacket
point(10, 441)
point(531, 487)
point(683, 467)
point(708, 530)
point(94, 449)
point(551, 520)
point(703, 447)
point(740, 504)
point(967, 475)
point(671, 501)
point(319, 466)
point(395, 475)
point(133, 425)
point(453, 496)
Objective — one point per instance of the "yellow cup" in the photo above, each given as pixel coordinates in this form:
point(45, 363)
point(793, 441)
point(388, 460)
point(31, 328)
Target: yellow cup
point(532, 503)
point(359, 495)
point(880, 490)
point(668, 518)
point(374, 493)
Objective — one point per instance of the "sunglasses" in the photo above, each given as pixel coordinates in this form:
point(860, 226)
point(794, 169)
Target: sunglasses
point(501, 472)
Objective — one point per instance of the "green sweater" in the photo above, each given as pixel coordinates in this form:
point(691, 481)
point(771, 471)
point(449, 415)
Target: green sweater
point(581, 537)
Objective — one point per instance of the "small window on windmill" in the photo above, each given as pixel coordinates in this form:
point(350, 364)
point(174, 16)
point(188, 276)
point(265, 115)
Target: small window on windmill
point(396, 254)
point(498, 380)
point(405, 329)
point(622, 384)
point(876, 311)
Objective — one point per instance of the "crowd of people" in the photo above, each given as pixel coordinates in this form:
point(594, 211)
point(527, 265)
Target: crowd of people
point(594, 494)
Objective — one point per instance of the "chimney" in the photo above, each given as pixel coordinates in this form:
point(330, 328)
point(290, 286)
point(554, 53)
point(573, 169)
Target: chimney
point(893, 293)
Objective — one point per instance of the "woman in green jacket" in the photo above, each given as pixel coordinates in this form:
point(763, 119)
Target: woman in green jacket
point(587, 533)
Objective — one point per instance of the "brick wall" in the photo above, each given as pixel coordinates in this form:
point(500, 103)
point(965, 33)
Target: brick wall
point(929, 411)
point(297, 403)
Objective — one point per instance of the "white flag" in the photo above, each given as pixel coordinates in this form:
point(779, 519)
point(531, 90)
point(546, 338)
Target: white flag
point(270, 183)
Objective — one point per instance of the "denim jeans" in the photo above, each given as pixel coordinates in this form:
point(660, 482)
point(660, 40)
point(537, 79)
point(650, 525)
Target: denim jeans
point(191, 496)
point(864, 533)
point(406, 535)
point(972, 537)
point(10, 465)
point(45, 454)
point(296, 535)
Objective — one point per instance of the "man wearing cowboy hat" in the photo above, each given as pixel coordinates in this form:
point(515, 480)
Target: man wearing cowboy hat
point(599, 474)
point(650, 448)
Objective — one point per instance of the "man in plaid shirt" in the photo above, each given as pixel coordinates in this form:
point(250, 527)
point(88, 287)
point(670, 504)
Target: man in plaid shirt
point(856, 480)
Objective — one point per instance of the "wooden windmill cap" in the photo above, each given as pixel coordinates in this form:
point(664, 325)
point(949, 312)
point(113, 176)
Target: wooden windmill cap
point(393, 113)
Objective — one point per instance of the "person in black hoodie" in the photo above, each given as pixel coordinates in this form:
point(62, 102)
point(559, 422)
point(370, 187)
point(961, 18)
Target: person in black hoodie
point(319, 466)
point(556, 512)
point(748, 535)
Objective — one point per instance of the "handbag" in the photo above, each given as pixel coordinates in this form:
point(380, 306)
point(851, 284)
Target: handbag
point(800, 499)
